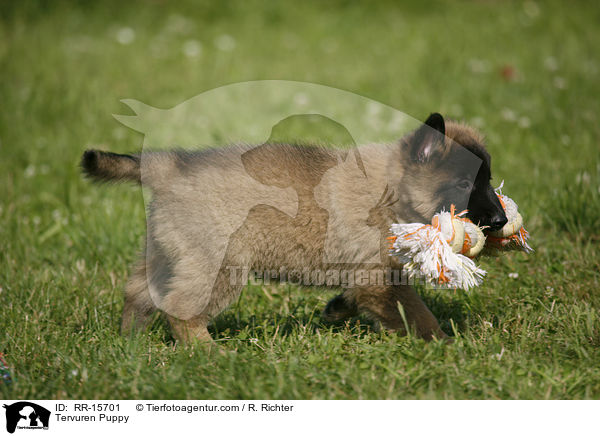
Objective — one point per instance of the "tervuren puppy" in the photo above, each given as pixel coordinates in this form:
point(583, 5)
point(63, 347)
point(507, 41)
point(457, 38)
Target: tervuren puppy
point(288, 210)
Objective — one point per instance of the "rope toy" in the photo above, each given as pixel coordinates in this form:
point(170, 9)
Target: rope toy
point(442, 251)
point(513, 235)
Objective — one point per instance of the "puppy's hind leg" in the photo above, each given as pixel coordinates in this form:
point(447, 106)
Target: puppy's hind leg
point(189, 325)
point(139, 306)
point(191, 330)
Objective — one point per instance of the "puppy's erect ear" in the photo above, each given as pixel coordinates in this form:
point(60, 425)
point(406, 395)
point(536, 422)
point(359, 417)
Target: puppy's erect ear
point(428, 139)
point(436, 121)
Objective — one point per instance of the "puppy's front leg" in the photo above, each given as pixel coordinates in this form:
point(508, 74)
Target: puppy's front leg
point(381, 302)
point(339, 308)
point(138, 306)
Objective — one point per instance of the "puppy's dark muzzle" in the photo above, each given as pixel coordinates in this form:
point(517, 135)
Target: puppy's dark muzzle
point(485, 210)
point(497, 222)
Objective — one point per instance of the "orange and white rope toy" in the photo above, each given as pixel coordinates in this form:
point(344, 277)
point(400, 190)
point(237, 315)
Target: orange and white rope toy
point(513, 235)
point(442, 252)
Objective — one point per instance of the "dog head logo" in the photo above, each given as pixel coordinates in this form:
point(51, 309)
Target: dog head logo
point(26, 415)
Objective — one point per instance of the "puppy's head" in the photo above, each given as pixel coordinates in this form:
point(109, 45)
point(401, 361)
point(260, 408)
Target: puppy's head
point(450, 165)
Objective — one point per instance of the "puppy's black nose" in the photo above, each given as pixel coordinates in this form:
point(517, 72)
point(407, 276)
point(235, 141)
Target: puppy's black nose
point(497, 222)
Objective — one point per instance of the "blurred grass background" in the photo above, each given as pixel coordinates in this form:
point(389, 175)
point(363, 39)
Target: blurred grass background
point(525, 73)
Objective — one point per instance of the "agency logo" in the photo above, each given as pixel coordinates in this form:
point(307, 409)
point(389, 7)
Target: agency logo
point(26, 415)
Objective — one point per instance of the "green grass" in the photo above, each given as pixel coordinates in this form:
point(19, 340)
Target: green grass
point(65, 245)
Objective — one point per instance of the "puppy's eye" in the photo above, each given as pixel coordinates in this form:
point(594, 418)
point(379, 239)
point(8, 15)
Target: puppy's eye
point(464, 185)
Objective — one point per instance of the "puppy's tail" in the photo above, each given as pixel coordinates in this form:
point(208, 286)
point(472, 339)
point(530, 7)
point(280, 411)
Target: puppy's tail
point(104, 166)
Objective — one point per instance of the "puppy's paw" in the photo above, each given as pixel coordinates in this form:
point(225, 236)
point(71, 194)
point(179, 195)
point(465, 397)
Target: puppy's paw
point(338, 309)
